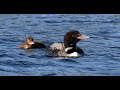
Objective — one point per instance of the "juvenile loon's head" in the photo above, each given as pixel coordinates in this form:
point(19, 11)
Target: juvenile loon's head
point(29, 41)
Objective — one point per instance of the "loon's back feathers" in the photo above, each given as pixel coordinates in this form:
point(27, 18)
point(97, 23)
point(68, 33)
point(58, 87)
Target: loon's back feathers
point(57, 46)
point(58, 49)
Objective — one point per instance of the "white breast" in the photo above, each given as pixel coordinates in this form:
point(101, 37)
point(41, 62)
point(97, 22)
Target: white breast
point(74, 54)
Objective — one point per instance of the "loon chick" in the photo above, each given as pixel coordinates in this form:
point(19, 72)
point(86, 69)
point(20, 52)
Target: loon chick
point(68, 48)
point(29, 44)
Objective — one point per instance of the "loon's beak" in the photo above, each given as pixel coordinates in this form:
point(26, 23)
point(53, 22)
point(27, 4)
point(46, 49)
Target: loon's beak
point(83, 37)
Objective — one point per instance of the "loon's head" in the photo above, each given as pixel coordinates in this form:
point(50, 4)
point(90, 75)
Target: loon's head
point(29, 41)
point(72, 37)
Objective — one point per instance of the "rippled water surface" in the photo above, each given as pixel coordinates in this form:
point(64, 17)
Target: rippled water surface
point(102, 50)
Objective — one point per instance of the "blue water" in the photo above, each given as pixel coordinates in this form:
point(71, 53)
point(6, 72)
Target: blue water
point(102, 50)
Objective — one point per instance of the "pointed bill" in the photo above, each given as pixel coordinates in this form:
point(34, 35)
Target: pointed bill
point(83, 37)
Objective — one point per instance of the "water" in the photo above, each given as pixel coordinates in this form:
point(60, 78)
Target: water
point(102, 50)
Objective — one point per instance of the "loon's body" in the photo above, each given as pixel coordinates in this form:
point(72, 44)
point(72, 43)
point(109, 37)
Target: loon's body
point(68, 48)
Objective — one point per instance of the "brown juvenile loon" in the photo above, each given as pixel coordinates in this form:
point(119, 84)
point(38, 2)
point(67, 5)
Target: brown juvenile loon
point(29, 44)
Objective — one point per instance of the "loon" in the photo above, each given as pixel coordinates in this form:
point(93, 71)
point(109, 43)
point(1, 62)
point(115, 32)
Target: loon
point(68, 48)
point(30, 43)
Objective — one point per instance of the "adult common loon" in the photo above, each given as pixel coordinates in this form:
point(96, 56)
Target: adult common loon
point(68, 48)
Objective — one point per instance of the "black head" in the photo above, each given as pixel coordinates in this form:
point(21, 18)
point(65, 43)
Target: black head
point(71, 38)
